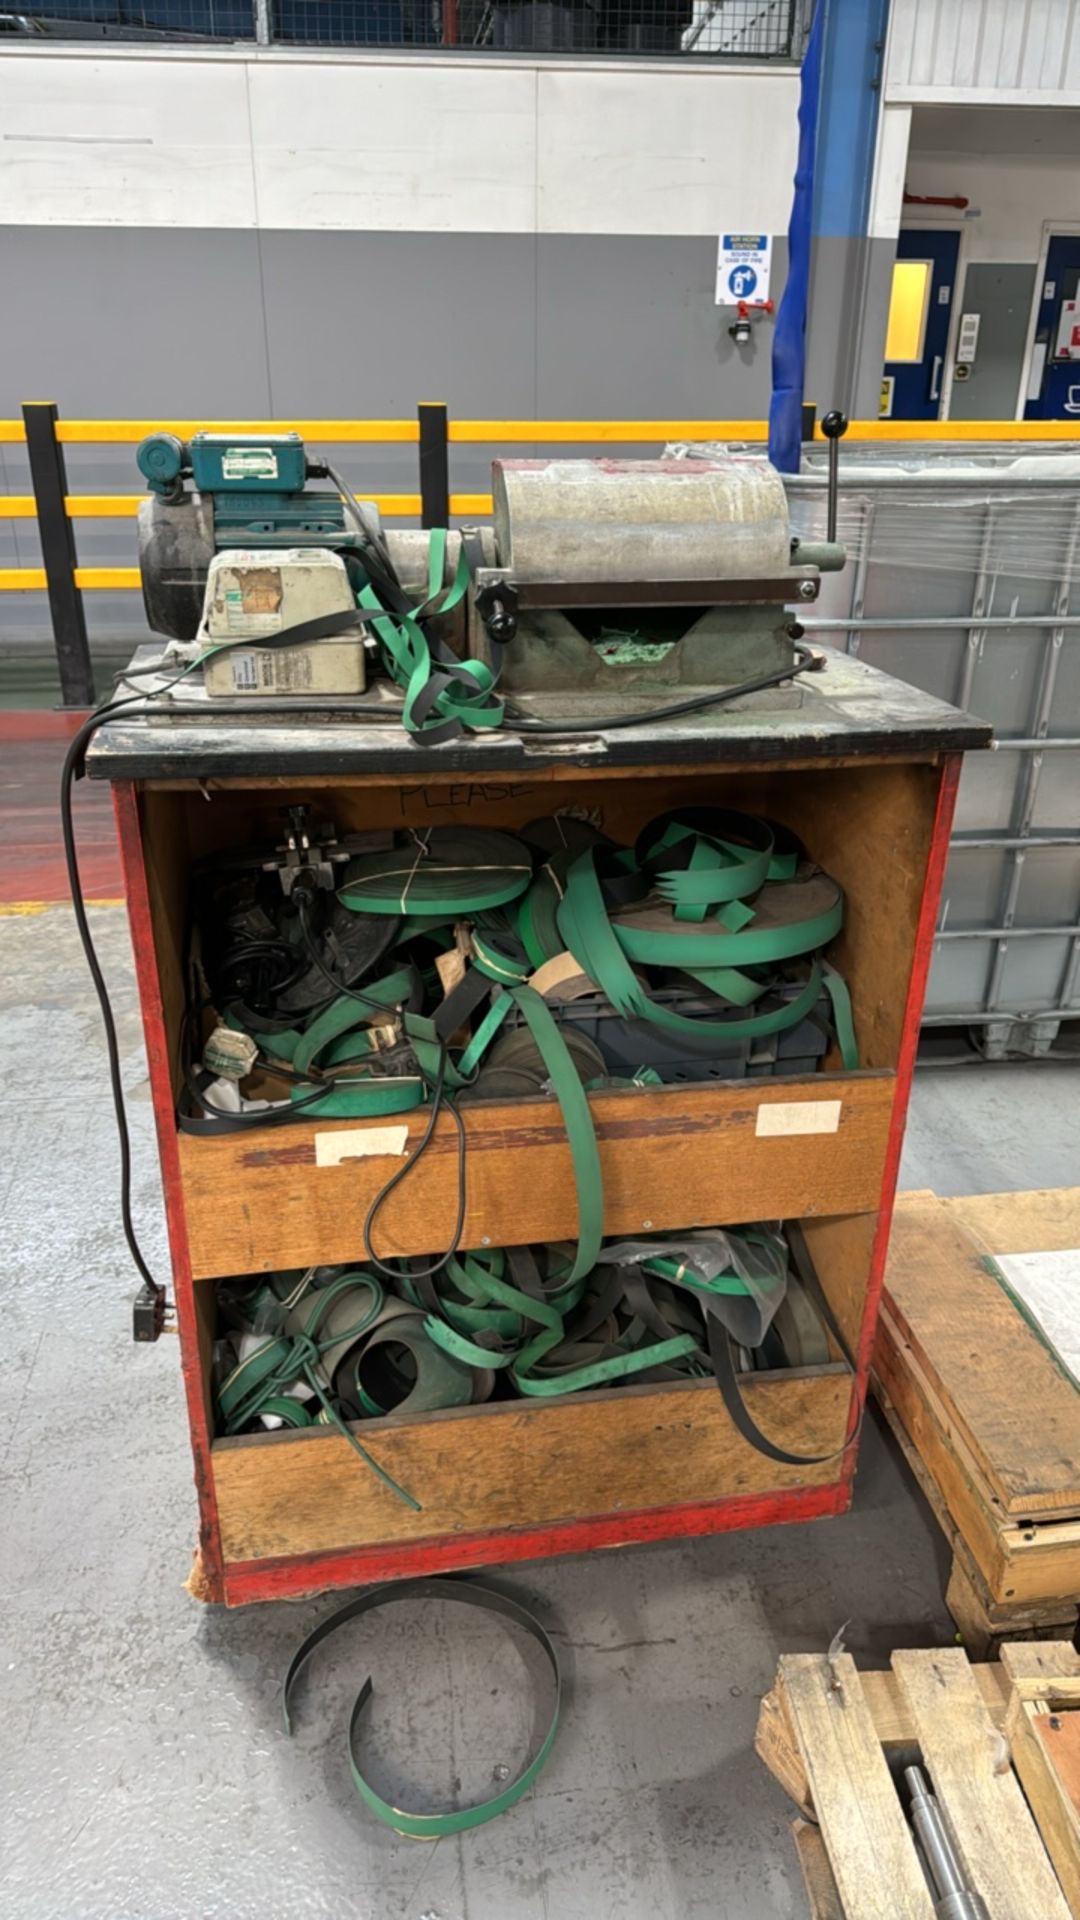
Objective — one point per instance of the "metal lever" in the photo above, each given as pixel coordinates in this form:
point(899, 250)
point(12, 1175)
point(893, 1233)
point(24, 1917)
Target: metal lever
point(953, 1898)
point(833, 426)
point(935, 377)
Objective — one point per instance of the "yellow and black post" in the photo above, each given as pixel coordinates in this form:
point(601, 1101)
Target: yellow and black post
point(49, 480)
point(434, 464)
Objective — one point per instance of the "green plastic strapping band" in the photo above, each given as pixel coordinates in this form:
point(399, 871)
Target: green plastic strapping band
point(468, 698)
point(286, 1358)
point(431, 1826)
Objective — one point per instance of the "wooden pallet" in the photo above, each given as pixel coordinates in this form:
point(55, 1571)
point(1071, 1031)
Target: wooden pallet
point(1001, 1747)
point(987, 1421)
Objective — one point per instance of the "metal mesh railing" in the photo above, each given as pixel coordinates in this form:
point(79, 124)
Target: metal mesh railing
point(730, 29)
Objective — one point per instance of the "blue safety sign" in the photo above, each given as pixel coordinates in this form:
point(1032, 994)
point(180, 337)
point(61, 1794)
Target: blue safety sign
point(742, 268)
point(741, 282)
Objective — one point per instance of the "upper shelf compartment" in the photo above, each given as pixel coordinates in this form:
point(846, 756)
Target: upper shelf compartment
point(722, 1150)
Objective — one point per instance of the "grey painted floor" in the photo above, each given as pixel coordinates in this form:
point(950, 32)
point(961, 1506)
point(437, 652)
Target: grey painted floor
point(147, 1771)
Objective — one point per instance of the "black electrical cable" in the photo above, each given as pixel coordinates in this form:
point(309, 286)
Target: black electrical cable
point(807, 659)
point(312, 951)
point(439, 1099)
point(73, 769)
point(376, 554)
point(518, 722)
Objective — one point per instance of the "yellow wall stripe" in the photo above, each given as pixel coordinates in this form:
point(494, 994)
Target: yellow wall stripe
point(107, 579)
point(960, 430)
point(579, 431)
point(21, 579)
point(123, 506)
point(569, 432)
point(103, 432)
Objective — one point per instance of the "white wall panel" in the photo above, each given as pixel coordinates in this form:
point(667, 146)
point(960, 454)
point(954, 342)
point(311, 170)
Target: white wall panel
point(107, 142)
point(279, 140)
point(1025, 48)
point(412, 147)
point(679, 152)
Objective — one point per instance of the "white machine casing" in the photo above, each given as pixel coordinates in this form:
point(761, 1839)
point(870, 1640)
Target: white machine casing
point(254, 593)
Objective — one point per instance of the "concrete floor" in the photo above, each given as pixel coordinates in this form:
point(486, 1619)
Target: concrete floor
point(148, 1775)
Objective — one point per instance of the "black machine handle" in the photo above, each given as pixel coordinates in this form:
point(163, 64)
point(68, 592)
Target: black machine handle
point(833, 426)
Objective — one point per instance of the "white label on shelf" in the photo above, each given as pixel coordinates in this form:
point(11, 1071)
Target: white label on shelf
point(359, 1143)
point(798, 1116)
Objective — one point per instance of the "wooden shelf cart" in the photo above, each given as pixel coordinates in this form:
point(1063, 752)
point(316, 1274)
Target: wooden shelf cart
point(865, 770)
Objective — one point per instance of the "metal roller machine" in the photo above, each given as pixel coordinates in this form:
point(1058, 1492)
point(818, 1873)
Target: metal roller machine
point(619, 582)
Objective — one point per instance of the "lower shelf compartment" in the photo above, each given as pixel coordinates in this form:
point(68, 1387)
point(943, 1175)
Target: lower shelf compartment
point(510, 1467)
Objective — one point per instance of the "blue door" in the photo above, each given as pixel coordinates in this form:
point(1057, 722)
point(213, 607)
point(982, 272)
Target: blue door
point(1055, 368)
point(919, 313)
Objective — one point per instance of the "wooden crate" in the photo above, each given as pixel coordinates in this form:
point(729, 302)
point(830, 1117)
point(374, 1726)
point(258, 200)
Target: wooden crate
point(986, 1419)
point(999, 1743)
point(288, 1513)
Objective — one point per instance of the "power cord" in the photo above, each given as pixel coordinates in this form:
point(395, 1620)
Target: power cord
point(150, 1302)
point(439, 1099)
point(807, 661)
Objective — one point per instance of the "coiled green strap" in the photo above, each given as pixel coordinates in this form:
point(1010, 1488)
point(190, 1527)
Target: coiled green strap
point(443, 695)
point(442, 873)
point(289, 1357)
point(431, 1826)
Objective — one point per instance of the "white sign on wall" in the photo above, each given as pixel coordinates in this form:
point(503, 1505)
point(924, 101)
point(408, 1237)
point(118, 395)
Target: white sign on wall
point(742, 268)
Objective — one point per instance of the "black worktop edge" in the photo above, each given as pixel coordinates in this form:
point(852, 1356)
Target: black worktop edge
point(159, 761)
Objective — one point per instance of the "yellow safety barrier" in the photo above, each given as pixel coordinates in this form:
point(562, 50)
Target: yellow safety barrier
point(124, 506)
point(959, 430)
point(113, 432)
point(460, 432)
point(574, 432)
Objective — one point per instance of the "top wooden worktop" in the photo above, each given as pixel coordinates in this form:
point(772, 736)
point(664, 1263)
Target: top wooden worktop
point(848, 710)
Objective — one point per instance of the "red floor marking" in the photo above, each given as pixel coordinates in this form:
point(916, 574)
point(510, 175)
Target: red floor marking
point(32, 747)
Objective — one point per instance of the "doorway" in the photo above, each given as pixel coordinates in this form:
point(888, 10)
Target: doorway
point(920, 310)
point(1053, 389)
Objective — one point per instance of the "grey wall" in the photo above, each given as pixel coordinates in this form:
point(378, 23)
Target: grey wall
point(850, 285)
point(178, 323)
point(1001, 295)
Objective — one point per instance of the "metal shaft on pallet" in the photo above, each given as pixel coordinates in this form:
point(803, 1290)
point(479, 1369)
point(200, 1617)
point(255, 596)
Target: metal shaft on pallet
point(49, 479)
point(953, 1898)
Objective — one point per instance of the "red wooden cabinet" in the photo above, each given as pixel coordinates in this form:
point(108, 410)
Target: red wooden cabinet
point(866, 772)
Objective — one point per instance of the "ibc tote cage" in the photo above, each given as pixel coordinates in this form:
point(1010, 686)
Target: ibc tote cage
point(963, 578)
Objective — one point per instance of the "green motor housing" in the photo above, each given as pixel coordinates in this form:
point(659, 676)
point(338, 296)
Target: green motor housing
point(221, 491)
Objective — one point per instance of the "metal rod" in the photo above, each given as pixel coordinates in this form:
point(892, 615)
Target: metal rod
point(862, 569)
point(1052, 744)
point(1005, 1016)
point(1070, 979)
point(1028, 788)
point(1004, 933)
point(981, 842)
point(979, 602)
point(920, 623)
point(954, 1899)
point(49, 479)
point(869, 473)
